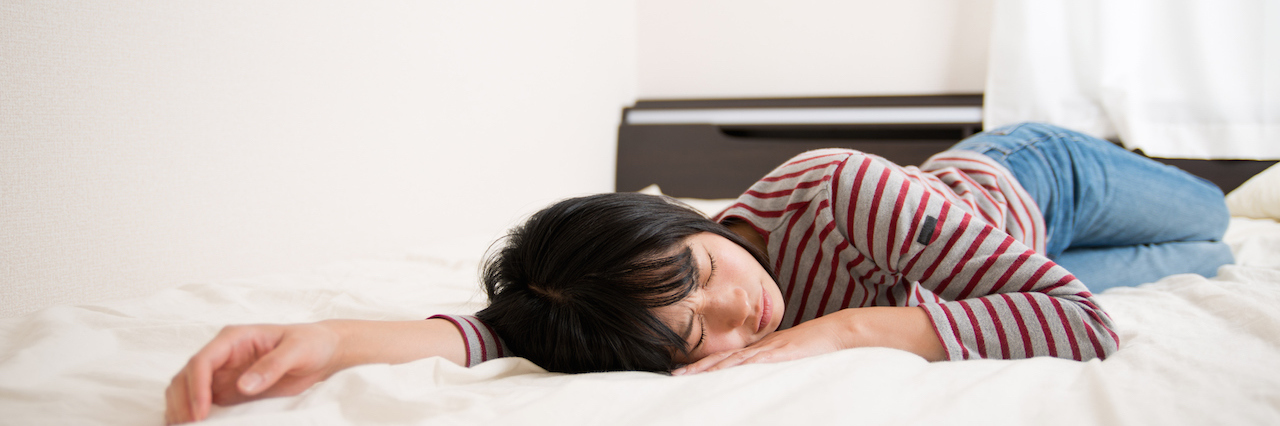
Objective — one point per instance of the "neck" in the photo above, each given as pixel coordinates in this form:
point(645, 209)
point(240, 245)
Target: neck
point(747, 232)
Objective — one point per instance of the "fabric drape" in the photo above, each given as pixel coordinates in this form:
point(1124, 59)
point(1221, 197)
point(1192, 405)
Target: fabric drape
point(1176, 79)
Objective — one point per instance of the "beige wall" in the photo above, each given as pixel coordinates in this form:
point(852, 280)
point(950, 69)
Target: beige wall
point(149, 144)
point(765, 48)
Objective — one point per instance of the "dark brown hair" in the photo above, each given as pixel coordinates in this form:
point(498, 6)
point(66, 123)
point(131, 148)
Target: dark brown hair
point(573, 289)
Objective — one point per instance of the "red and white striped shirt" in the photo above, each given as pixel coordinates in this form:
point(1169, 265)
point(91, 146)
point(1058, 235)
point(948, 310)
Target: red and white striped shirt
point(958, 237)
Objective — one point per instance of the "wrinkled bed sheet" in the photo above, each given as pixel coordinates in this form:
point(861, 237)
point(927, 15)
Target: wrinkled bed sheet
point(1194, 351)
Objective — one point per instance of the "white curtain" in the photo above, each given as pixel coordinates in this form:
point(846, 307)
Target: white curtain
point(1175, 78)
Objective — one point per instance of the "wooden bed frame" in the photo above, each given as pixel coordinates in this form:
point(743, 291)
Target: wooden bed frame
point(720, 160)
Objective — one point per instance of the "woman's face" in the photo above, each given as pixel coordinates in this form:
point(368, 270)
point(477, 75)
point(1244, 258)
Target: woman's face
point(735, 303)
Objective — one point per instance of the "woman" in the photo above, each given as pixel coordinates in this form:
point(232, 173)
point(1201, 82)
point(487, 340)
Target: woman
point(961, 258)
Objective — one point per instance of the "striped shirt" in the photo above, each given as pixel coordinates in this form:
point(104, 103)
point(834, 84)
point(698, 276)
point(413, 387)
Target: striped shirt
point(482, 343)
point(957, 237)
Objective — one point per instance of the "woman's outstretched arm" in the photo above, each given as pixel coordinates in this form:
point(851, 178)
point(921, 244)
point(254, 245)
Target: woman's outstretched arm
point(248, 362)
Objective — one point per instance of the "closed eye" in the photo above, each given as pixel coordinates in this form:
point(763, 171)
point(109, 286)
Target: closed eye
point(703, 337)
point(713, 269)
point(702, 320)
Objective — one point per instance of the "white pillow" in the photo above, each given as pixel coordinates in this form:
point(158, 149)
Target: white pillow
point(708, 207)
point(1258, 197)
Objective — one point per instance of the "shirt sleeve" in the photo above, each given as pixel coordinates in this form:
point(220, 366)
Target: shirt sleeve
point(482, 343)
point(997, 298)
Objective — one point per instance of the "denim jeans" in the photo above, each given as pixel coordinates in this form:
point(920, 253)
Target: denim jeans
point(1114, 218)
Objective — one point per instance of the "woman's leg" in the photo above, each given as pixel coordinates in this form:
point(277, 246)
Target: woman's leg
point(1098, 197)
point(1101, 268)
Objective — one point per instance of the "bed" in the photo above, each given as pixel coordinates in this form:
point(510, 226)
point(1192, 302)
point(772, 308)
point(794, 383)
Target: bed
point(1194, 350)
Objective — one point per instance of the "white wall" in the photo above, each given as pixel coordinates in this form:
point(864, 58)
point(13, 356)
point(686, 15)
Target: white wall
point(153, 143)
point(148, 144)
point(764, 48)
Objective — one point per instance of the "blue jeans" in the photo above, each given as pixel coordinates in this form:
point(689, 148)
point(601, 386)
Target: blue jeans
point(1114, 218)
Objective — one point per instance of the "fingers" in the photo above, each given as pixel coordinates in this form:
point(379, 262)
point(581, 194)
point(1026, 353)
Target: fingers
point(177, 403)
point(263, 374)
point(723, 360)
point(761, 352)
point(199, 371)
point(181, 400)
point(269, 369)
point(185, 399)
point(702, 364)
point(735, 358)
point(198, 388)
point(190, 393)
point(244, 363)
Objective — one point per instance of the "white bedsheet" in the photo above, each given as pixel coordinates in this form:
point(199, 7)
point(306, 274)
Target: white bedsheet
point(1194, 351)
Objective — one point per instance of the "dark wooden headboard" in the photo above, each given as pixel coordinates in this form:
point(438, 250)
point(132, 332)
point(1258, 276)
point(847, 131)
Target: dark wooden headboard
point(718, 148)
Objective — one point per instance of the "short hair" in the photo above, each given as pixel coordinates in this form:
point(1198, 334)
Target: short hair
point(574, 288)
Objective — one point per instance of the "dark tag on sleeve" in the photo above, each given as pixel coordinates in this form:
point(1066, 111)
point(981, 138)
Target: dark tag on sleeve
point(926, 230)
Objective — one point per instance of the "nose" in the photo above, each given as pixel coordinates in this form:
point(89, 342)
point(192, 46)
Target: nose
point(731, 308)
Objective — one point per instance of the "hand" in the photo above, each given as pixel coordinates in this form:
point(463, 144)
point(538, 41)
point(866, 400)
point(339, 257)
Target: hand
point(906, 328)
point(245, 363)
point(814, 337)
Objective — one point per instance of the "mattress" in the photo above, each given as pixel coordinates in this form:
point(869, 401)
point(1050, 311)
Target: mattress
point(1194, 350)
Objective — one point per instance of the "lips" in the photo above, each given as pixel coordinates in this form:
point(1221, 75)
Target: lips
point(766, 311)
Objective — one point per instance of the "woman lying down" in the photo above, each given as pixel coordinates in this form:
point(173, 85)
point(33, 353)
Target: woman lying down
point(985, 251)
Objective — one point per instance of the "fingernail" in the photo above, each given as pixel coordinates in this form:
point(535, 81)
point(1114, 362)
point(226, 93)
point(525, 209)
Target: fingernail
point(250, 381)
point(678, 372)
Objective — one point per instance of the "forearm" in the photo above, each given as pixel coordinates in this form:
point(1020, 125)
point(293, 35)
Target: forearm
point(1025, 325)
point(395, 342)
point(902, 328)
point(905, 328)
